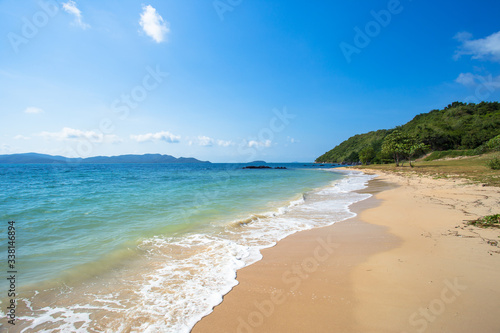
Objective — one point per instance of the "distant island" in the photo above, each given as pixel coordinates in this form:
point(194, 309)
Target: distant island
point(49, 159)
point(264, 167)
point(460, 129)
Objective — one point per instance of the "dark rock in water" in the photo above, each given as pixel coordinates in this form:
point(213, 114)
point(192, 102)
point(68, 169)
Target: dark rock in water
point(262, 167)
point(257, 167)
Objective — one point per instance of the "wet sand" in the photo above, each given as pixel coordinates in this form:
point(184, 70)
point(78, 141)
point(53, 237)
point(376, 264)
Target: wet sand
point(406, 263)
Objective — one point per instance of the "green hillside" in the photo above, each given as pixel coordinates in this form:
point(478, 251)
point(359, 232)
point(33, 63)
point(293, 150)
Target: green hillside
point(457, 126)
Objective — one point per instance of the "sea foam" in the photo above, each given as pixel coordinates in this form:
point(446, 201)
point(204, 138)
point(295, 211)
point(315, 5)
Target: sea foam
point(179, 280)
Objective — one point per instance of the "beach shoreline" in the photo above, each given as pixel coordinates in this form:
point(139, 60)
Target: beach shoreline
point(405, 263)
point(168, 281)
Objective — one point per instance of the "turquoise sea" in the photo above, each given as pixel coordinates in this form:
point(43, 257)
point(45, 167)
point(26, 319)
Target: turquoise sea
point(150, 247)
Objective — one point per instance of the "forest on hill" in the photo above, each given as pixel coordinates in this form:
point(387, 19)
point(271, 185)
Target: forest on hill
point(459, 126)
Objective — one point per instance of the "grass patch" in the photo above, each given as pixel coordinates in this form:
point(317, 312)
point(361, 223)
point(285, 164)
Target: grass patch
point(473, 168)
point(436, 155)
point(486, 221)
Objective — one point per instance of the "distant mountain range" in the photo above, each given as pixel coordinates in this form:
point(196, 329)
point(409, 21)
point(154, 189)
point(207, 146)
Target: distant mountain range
point(49, 159)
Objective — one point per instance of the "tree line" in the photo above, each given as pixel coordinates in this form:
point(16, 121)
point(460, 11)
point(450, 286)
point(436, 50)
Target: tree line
point(455, 127)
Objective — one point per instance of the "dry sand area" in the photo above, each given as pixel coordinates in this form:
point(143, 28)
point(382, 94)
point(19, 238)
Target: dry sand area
point(407, 263)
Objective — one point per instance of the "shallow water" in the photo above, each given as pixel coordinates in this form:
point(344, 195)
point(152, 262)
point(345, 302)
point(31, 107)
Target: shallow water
point(148, 248)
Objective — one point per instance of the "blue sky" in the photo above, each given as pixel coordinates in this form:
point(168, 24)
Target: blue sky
point(234, 80)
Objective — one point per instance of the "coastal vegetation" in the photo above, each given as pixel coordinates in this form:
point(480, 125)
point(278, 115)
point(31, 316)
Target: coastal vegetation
point(487, 221)
point(401, 145)
point(473, 168)
point(494, 163)
point(460, 129)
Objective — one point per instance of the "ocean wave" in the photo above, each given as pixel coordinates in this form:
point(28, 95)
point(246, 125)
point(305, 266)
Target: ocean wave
point(181, 279)
point(257, 217)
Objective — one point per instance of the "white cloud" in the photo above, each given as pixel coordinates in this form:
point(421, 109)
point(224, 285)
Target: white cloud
point(483, 48)
point(75, 134)
point(32, 109)
point(291, 140)
point(205, 141)
point(160, 136)
point(257, 144)
point(70, 7)
point(472, 80)
point(467, 79)
point(224, 143)
point(153, 24)
point(21, 137)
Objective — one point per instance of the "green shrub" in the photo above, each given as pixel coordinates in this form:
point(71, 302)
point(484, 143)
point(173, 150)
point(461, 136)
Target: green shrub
point(487, 221)
point(494, 163)
point(480, 150)
point(494, 144)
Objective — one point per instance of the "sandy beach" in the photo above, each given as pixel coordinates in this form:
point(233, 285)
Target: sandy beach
point(406, 263)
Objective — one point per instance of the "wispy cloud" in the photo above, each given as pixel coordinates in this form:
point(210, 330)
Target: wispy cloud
point(21, 137)
point(159, 136)
point(71, 8)
point(75, 134)
point(153, 24)
point(473, 80)
point(487, 48)
point(32, 109)
point(466, 79)
point(224, 143)
point(257, 144)
point(206, 141)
